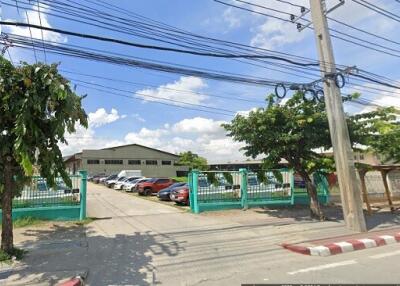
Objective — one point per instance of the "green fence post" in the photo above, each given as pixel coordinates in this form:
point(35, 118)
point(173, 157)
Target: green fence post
point(291, 186)
point(83, 189)
point(243, 187)
point(190, 183)
point(195, 184)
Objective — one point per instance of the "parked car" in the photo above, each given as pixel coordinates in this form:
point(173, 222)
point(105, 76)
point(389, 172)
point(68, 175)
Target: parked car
point(120, 185)
point(97, 177)
point(111, 183)
point(132, 186)
point(155, 185)
point(164, 193)
point(39, 192)
point(180, 195)
point(110, 177)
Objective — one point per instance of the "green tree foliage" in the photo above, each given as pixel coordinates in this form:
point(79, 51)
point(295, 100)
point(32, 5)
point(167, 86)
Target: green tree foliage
point(379, 132)
point(296, 130)
point(193, 161)
point(37, 108)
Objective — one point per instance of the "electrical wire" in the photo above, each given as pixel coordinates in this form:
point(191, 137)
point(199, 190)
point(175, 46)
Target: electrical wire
point(30, 33)
point(378, 10)
point(41, 30)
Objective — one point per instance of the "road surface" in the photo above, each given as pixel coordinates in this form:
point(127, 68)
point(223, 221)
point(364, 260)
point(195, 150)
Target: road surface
point(138, 242)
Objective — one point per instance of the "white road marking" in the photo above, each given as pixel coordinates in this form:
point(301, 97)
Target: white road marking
point(323, 267)
point(386, 254)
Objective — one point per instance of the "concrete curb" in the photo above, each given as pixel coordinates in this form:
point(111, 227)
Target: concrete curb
point(76, 281)
point(343, 246)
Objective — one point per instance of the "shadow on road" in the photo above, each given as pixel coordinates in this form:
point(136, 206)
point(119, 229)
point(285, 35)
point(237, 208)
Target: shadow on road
point(61, 252)
point(301, 213)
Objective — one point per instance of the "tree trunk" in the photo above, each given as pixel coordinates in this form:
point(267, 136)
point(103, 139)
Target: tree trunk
point(315, 207)
point(6, 205)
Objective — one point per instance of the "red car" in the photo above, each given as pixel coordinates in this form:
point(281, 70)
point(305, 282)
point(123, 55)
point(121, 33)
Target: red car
point(180, 195)
point(152, 186)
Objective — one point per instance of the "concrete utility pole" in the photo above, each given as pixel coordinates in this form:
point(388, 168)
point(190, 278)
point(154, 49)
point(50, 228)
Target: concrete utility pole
point(348, 183)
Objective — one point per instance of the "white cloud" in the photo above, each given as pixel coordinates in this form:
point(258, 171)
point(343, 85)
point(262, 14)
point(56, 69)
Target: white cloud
point(138, 117)
point(173, 91)
point(198, 125)
point(86, 138)
point(101, 117)
point(33, 18)
point(203, 136)
point(230, 17)
point(275, 33)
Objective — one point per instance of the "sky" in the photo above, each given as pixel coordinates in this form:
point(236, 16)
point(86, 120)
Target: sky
point(146, 119)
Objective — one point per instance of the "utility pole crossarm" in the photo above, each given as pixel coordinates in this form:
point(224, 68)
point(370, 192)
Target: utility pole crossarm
point(348, 182)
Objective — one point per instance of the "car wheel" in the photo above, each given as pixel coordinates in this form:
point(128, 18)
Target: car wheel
point(147, 192)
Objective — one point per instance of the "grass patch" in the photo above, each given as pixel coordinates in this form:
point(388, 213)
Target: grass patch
point(15, 252)
point(85, 221)
point(27, 221)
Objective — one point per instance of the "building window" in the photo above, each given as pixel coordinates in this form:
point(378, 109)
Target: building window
point(134, 162)
point(113, 162)
point(361, 156)
point(355, 156)
point(151, 162)
point(166, 162)
point(93, 162)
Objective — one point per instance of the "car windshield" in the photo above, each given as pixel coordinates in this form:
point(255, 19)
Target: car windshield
point(121, 179)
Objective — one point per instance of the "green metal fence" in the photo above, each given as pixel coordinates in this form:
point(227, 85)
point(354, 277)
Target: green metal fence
point(38, 199)
point(243, 189)
point(39, 194)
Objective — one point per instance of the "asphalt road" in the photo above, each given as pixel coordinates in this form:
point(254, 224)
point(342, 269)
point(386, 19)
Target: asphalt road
point(138, 242)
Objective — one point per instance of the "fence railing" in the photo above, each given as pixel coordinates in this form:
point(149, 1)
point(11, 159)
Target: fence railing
point(242, 189)
point(38, 198)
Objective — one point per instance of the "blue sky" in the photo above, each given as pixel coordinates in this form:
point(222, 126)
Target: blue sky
point(116, 120)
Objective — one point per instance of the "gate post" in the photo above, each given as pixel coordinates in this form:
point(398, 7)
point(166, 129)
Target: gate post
point(195, 184)
point(83, 186)
point(291, 174)
point(243, 188)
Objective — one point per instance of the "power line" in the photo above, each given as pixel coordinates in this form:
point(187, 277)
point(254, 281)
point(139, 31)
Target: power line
point(30, 32)
point(378, 10)
point(162, 88)
point(137, 45)
point(337, 35)
point(41, 31)
point(64, 49)
point(166, 102)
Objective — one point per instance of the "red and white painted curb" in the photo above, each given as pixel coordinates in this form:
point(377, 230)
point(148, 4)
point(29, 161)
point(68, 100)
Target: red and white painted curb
point(344, 246)
point(77, 281)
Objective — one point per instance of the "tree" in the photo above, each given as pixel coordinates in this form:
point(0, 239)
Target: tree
point(37, 108)
point(296, 130)
point(378, 131)
point(193, 161)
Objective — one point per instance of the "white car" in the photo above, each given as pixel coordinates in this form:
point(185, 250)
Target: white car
point(130, 186)
point(120, 185)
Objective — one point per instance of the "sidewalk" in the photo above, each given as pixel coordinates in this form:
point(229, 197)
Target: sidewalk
point(55, 252)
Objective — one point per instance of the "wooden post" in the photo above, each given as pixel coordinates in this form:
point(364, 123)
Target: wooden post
point(387, 191)
point(362, 173)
